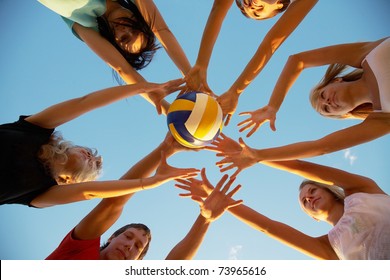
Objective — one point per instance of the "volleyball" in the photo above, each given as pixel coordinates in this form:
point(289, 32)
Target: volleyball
point(194, 119)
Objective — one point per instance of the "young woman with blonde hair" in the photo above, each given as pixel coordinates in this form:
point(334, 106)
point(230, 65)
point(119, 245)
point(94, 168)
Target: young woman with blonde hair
point(360, 93)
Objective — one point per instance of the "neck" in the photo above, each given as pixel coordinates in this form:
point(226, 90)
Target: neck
point(335, 213)
point(360, 92)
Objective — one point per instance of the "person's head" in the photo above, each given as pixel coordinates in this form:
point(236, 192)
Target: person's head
point(262, 9)
point(330, 97)
point(317, 199)
point(68, 163)
point(130, 242)
point(132, 36)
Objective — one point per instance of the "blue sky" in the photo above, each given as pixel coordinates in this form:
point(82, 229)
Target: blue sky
point(43, 64)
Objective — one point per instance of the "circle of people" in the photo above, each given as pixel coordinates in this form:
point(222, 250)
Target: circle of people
point(42, 169)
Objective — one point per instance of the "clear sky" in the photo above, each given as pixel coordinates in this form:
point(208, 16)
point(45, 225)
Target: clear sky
point(42, 63)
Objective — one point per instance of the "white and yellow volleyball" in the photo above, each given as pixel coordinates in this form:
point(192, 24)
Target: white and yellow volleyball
point(195, 119)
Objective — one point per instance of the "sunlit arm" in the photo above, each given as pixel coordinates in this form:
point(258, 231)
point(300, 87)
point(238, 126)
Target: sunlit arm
point(374, 126)
point(159, 27)
point(187, 248)
point(316, 247)
point(107, 212)
point(275, 37)
point(110, 55)
point(66, 111)
point(210, 34)
point(351, 54)
point(351, 183)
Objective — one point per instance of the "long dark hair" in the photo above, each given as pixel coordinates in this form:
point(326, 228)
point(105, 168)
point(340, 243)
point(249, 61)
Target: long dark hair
point(142, 58)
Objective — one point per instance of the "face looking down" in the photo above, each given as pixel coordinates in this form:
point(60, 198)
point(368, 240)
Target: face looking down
point(126, 246)
point(261, 9)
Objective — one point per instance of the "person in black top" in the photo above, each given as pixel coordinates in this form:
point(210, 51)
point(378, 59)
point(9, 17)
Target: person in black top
point(36, 161)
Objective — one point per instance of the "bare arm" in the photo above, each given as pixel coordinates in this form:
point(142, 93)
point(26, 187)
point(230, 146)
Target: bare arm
point(351, 183)
point(349, 54)
point(241, 156)
point(62, 194)
point(110, 55)
point(215, 204)
point(107, 212)
point(316, 247)
point(281, 30)
point(374, 126)
point(197, 77)
point(66, 111)
point(275, 37)
point(151, 13)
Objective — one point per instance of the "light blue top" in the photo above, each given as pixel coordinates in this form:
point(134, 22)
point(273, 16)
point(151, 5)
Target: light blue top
point(84, 12)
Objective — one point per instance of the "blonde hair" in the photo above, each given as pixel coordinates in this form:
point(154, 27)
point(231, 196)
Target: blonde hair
point(333, 72)
point(56, 150)
point(337, 191)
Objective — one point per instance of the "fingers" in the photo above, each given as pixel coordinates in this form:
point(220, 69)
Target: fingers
point(248, 126)
point(184, 194)
point(204, 177)
point(228, 185)
point(241, 141)
point(158, 108)
point(227, 121)
point(235, 190)
point(221, 182)
point(272, 124)
point(183, 187)
point(244, 122)
point(197, 199)
point(254, 129)
point(245, 113)
point(184, 182)
point(234, 175)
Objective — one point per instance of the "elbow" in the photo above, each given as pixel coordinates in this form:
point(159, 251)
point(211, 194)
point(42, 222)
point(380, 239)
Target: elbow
point(297, 61)
point(89, 196)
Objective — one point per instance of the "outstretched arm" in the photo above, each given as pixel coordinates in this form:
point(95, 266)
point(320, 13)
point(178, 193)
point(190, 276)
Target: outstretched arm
point(106, 213)
point(351, 54)
point(66, 111)
point(242, 156)
point(62, 194)
point(110, 55)
point(317, 247)
point(214, 205)
point(159, 27)
point(374, 126)
point(351, 183)
point(197, 76)
point(286, 24)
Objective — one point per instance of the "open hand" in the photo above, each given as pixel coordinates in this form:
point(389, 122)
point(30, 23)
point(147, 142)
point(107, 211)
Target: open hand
point(257, 118)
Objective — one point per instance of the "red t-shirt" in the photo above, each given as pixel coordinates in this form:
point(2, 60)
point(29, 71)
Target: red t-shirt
point(73, 249)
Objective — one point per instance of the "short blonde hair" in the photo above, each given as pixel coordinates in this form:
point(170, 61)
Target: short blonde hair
point(56, 151)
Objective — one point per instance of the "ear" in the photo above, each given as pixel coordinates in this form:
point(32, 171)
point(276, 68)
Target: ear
point(110, 239)
point(337, 80)
point(64, 179)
